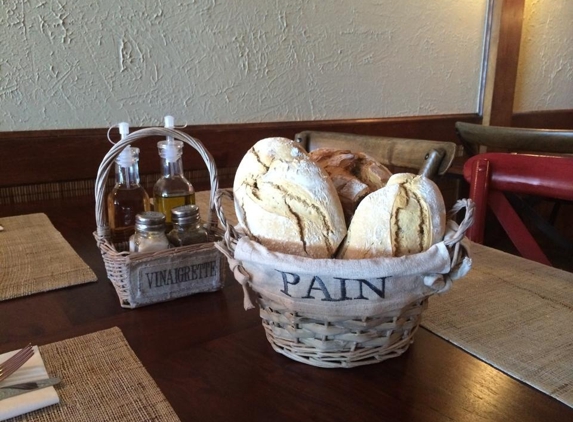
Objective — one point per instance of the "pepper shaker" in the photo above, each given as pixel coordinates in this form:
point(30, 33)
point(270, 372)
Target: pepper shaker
point(187, 227)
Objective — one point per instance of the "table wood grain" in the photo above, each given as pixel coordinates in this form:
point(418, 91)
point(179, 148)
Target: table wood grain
point(212, 361)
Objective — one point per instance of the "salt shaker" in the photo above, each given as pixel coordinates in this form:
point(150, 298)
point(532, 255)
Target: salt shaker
point(149, 233)
point(187, 228)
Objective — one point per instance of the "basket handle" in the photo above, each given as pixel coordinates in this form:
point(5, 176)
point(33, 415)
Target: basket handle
point(457, 237)
point(109, 159)
point(227, 247)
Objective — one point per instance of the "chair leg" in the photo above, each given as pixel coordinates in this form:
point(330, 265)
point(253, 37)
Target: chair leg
point(515, 229)
point(554, 212)
point(479, 186)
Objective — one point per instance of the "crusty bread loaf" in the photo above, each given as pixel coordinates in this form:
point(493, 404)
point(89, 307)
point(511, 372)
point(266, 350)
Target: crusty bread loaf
point(369, 234)
point(286, 201)
point(354, 174)
point(407, 216)
point(425, 199)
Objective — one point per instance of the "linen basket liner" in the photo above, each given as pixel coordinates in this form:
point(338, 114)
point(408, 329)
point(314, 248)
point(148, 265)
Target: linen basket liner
point(35, 257)
point(102, 380)
point(314, 287)
point(119, 265)
point(517, 321)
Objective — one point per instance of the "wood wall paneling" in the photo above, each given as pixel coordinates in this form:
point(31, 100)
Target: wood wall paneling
point(551, 119)
point(54, 156)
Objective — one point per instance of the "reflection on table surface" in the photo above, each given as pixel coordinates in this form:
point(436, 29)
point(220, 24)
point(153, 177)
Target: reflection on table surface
point(211, 360)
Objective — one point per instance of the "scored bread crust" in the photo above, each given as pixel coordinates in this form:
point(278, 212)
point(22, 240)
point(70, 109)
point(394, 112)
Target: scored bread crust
point(430, 204)
point(286, 202)
point(407, 216)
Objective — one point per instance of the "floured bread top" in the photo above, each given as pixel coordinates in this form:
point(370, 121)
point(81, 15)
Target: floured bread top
point(370, 234)
point(286, 202)
point(405, 217)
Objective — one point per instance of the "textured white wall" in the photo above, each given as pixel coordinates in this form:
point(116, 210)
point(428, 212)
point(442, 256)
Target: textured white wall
point(545, 73)
point(78, 64)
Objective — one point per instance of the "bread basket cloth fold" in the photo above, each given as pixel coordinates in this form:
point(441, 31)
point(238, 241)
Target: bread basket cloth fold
point(349, 288)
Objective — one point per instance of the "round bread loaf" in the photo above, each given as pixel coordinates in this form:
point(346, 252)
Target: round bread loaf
point(405, 217)
point(354, 175)
point(287, 202)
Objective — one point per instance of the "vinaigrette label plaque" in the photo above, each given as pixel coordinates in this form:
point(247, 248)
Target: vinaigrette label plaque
point(177, 275)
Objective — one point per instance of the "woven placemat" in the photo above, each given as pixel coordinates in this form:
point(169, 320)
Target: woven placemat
point(202, 201)
point(34, 257)
point(514, 314)
point(102, 380)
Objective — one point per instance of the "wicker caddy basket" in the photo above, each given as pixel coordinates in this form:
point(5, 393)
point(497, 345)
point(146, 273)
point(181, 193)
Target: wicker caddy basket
point(192, 269)
point(330, 331)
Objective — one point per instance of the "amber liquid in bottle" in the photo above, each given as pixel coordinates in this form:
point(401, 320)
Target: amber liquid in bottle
point(125, 204)
point(127, 199)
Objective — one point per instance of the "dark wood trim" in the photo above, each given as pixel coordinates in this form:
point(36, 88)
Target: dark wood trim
point(32, 157)
point(505, 41)
point(551, 119)
point(56, 156)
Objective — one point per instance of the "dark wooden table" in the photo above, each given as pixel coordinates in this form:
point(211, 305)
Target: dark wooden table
point(213, 363)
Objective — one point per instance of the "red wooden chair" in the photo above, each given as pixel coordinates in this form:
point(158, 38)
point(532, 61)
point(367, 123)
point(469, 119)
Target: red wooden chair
point(491, 174)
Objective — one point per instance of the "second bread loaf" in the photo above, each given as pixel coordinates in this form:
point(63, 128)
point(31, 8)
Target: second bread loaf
point(405, 217)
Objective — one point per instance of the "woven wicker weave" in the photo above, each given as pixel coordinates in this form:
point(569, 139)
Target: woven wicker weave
point(340, 343)
point(120, 265)
point(337, 342)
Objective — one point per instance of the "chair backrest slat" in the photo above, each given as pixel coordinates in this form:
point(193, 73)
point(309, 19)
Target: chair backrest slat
point(512, 139)
point(546, 176)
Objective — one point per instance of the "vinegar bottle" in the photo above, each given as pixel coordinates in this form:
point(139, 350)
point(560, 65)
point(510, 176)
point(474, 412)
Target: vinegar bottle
point(172, 189)
point(127, 198)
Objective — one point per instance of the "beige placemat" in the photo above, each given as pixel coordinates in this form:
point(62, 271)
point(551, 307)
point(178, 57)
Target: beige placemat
point(516, 315)
point(202, 201)
point(34, 257)
point(102, 380)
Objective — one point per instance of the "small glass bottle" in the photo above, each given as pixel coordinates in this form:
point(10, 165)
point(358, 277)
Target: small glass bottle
point(128, 197)
point(149, 233)
point(187, 227)
point(172, 189)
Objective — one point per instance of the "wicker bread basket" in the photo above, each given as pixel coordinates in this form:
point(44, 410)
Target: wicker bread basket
point(328, 335)
point(132, 273)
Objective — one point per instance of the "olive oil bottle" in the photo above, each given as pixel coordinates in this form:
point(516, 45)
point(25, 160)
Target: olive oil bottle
point(172, 189)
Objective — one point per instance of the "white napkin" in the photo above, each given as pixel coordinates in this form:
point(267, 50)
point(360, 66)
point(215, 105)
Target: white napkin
point(32, 370)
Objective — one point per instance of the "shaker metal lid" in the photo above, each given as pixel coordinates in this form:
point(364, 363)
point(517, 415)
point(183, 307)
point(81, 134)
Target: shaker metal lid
point(185, 214)
point(149, 220)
